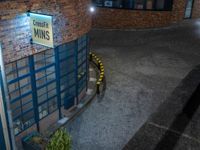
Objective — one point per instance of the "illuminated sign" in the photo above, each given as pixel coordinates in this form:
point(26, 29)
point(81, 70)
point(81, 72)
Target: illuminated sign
point(41, 28)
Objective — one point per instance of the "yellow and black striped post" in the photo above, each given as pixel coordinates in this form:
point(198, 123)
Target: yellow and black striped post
point(100, 66)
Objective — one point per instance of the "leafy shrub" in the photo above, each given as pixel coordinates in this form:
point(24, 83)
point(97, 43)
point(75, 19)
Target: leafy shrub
point(61, 140)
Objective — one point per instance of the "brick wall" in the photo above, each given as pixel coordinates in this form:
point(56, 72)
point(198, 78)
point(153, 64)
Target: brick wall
point(196, 9)
point(120, 18)
point(71, 19)
point(178, 11)
point(48, 122)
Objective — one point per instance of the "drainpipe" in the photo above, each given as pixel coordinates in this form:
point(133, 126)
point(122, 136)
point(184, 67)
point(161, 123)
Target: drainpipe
point(5, 109)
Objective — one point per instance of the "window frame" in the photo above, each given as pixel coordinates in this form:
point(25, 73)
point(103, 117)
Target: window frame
point(144, 9)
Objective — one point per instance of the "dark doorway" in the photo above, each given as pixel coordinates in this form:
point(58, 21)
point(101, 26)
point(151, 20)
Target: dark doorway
point(188, 9)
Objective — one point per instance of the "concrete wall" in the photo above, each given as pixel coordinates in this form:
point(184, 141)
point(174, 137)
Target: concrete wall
point(120, 18)
point(196, 9)
point(71, 19)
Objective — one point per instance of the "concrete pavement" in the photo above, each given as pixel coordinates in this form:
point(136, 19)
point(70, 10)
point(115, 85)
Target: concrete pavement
point(142, 69)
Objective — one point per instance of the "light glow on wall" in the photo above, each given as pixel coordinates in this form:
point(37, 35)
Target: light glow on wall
point(92, 9)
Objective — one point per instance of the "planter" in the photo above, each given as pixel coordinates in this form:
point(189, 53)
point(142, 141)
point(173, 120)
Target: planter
point(34, 141)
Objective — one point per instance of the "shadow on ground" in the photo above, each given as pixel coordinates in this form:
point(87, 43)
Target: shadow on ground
point(169, 128)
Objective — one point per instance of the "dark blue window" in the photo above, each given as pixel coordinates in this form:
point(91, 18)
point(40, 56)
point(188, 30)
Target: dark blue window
point(20, 94)
point(82, 63)
point(67, 64)
point(136, 4)
point(40, 84)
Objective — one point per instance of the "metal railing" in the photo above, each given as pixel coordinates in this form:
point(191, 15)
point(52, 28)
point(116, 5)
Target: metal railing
point(101, 81)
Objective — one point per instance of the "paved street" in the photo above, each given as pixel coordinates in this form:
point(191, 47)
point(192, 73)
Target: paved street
point(142, 68)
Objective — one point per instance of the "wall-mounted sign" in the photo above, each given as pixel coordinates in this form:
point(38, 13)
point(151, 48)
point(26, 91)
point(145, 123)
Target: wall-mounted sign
point(41, 28)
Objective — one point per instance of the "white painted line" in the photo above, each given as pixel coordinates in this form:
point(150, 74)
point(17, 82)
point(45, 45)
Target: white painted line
point(63, 120)
point(89, 91)
point(93, 80)
point(80, 105)
point(91, 69)
point(174, 131)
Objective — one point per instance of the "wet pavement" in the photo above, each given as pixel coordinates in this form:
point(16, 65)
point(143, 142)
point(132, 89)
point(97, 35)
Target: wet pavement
point(176, 123)
point(143, 69)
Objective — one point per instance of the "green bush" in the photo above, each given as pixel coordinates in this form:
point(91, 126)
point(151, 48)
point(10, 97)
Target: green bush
point(61, 140)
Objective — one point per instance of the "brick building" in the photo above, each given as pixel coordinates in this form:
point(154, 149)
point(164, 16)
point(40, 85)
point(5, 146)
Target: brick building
point(143, 13)
point(40, 83)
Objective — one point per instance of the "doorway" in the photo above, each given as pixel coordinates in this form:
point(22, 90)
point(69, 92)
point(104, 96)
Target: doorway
point(188, 10)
